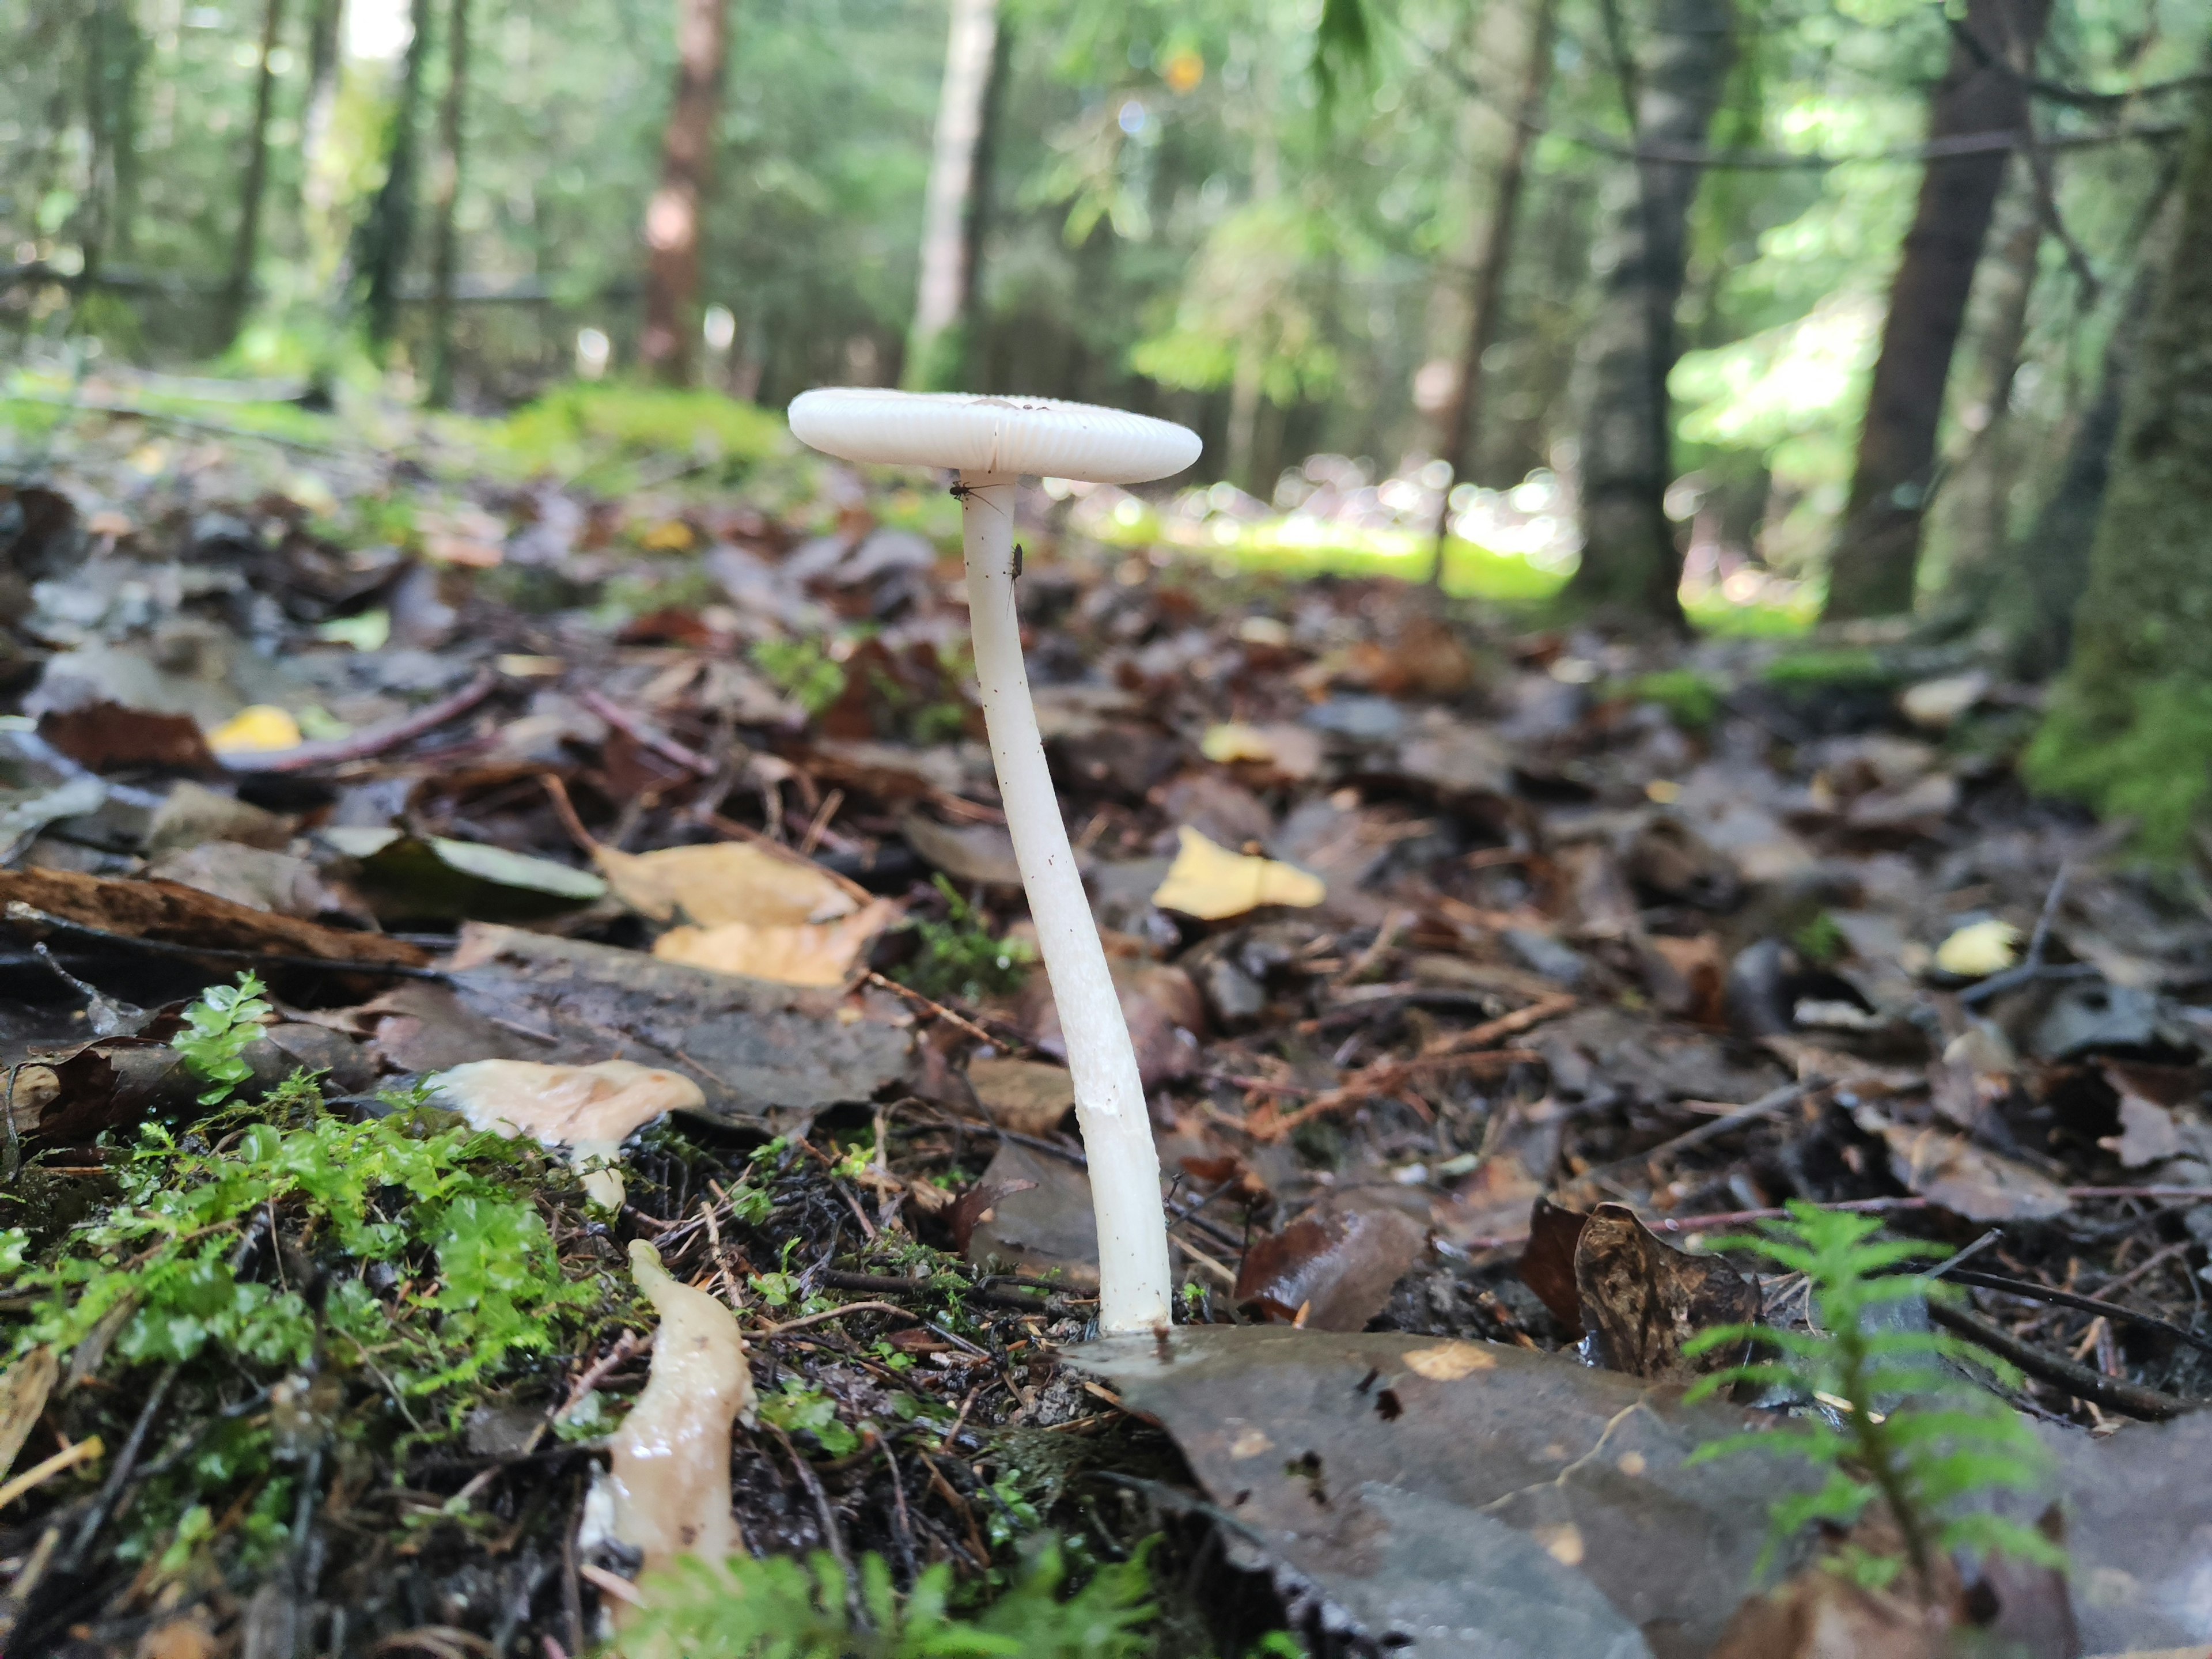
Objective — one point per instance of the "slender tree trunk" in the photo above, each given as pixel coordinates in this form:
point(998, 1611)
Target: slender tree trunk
point(238, 289)
point(2130, 727)
point(380, 244)
point(324, 25)
point(981, 195)
point(113, 51)
point(936, 344)
point(672, 217)
point(2048, 571)
point(1629, 557)
point(1878, 547)
point(1462, 416)
point(445, 194)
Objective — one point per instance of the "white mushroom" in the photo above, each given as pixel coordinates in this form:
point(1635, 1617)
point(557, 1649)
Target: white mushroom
point(671, 1471)
point(589, 1109)
point(991, 443)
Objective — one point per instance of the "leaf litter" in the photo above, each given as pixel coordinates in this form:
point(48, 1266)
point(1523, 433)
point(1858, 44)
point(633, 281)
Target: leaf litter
point(1482, 918)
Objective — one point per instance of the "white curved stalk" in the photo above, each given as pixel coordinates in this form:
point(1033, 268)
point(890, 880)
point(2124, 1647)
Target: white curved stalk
point(1133, 1285)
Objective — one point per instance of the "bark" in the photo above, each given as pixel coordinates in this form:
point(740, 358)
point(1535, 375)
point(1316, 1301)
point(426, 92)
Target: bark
point(935, 345)
point(238, 289)
point(1460, 421)
point(387, 230)
point(444, 196)
point(1629, 556)
point(2130, 728)
point(670, 343)
point(114, 52)
point(1876, 559)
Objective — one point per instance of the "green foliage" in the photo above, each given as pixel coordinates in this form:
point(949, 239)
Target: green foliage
point(605, 431)
point(960, 959)
point(1820, 941)
point(1928, 1458)
point(781, 1609)
point(480, 1280)
point(1693, 699)
point(218, 1029)
point(2150, 765)
point(1817, 670)
point(798, 1409)
point(802, 671)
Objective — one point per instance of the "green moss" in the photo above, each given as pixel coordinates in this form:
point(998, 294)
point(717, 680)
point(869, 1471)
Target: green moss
point(802, 671)
point(606, 430)
point(1693, 699)
point(960, 959)
point(1820, 941)
point(2151, 764)
point(1810, 671)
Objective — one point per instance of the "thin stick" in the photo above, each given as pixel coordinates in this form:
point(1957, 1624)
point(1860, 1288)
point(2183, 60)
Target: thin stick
point(2114, 1394)
point(2028, 1288)
point(837, 1313)
point(366, 745)
point(638, 731)
point(39, 1473)
point(937, 1008)
point(1767, 1105)
point(19, 911)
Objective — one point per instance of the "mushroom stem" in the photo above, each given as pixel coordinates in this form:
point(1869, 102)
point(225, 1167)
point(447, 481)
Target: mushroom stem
point(1133, 1287)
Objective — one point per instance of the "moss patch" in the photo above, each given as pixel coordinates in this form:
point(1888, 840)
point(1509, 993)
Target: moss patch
point(606, 430)
point(2151, 764)
point(1809, 671)
point(1693, 699)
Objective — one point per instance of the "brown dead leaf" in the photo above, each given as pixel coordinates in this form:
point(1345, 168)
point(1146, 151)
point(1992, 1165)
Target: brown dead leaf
point(1688, 978)
point(1644, 1299)
point(1336, 1263)
point(251, 876)
point(1969, 1181)
point(786, 953)
point(978, 1204)
point(107, 737)
point(1026, 1096)
point(729, 881)
point(24, 1387)
point(1548, 1261)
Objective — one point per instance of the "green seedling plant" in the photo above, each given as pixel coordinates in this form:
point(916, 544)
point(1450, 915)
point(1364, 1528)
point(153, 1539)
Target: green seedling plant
point(960, 958)
point(781, 1609)
point(1900, 1427)
point(217, 1029)
point(802, 671)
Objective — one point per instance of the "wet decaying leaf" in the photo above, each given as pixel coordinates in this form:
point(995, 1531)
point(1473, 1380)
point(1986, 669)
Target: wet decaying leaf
point(1402, 1480)
point(1548, 1261)
point(761, 1053)
point(1966, 1179)
point(1025, 1095)
point(1039, 1220)
point(417, 880)
point(107, 737)
point(1333, 1268)
point(1643, 1298)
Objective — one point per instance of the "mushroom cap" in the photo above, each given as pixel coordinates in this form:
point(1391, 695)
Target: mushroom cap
point(971, 433)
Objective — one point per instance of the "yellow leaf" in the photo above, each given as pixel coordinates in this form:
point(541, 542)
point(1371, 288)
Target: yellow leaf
point(726, 882)
point(672, 536)
point(1234, 741)
point(798, 953)
point(1978, 949)
point(250, 730)
point(1211, 882)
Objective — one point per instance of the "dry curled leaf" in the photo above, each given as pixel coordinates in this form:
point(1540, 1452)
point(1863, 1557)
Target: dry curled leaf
point(730, 881)
point(1211, 882)
point(787, 953)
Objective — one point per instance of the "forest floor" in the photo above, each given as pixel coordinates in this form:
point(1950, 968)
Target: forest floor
point(300, 1365)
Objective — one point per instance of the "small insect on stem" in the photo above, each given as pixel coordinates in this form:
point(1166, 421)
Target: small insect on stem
point(1018, 562)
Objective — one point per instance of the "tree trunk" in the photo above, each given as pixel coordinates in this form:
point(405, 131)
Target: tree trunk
point(936, 345)
point(114, 49)
point(1973, 509)
point(1629, 557)
point(322, 101)
point(445, 194)
point(1461, 420)
point(238, 289)
point(672, 217)
point(2130, 727)
point(1984, 90)
point(381, 242)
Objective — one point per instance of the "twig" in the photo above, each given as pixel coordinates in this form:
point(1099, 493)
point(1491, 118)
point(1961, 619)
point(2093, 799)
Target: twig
point(39, 1473)
point(304, 757)
point(936, 1008)
point(2113, 1392)
point(111, 1490)
point(832, 1535)
point(1767, 1105)
point(836, 1313)
point(565, 809)
point(638, 731)
point(19, 911)
point(2024, 1287)
point(610, 1583)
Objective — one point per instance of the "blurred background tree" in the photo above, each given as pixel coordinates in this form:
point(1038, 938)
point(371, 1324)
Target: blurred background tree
point(1777, 299)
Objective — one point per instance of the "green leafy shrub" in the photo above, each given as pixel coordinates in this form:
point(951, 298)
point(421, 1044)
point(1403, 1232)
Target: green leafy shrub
point(217, 1029)
point(960, 958)
point(1928, 1459)
point(782, 1609)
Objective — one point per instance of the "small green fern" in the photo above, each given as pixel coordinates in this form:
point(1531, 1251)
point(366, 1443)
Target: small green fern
point(218, 1030)
point(779, 1609)
point(1928, 1459)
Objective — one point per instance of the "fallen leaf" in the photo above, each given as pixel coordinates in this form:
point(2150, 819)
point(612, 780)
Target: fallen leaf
point(1338, 1261)
point(588, 1109)
point(1935, 705)
point(729, 881)
point(252, 876)
point(1026, 1096)
point(1643, 1298)
point(969, 853)
point(1980, 949)
point(1548, 1261)
point(256, 728)
point(1042, 1220)
point(1211, 882)
point(978, 1204)
point(108, 737)
point(794, 954)
point(1293, 753)
point(1160, 1003)
point(191, 813)
point(24, 1387)
point(437, 878)
point(2147, 1132)
point(1967, 1180)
